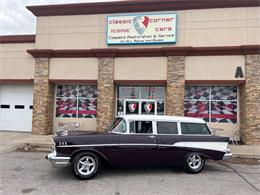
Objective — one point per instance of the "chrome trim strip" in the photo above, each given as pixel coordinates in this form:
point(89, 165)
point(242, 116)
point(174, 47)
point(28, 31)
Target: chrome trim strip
point(216, 146)
point(96, 145)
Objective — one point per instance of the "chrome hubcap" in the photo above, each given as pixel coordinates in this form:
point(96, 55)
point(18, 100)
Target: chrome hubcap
point(194, 161)
point(86, 165)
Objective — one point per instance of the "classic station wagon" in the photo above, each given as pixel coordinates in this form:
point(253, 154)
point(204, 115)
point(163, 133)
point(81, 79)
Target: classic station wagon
point(134, 140)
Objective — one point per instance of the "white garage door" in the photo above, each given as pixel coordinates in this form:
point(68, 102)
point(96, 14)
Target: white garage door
point(16, 107)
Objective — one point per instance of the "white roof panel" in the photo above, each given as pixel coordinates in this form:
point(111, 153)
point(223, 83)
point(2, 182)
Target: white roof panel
point(163, 118)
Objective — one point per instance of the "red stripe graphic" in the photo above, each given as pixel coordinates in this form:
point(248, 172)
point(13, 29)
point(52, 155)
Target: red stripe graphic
point(79, 112)
point(224, 116)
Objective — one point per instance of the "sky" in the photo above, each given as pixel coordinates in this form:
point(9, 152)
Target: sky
point(16, 19)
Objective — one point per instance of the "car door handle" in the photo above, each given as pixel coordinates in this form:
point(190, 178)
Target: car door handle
point(151, 136)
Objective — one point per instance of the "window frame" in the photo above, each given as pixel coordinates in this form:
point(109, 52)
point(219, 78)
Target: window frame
point(77, 100)
point(210, 100)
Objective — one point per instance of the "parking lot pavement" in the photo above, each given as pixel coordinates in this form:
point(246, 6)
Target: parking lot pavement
point(29, 173)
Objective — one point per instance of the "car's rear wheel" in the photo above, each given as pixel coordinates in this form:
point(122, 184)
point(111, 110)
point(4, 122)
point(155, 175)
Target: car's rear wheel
point(85, 165)
point(193, 163)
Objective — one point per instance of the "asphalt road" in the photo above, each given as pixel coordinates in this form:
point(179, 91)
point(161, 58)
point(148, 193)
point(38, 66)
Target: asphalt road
point(29, 173)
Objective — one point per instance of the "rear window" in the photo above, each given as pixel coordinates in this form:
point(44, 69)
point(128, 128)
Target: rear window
point(167, 128)
point(194, 128)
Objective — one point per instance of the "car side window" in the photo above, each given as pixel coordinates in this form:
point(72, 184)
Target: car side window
point(141, 127)
point(167, 128)
point(120, 127)
point(194, 128)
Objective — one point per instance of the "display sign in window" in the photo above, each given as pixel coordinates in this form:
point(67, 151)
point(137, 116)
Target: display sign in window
point(76, 101)
point(132, 107)
point(141, 29)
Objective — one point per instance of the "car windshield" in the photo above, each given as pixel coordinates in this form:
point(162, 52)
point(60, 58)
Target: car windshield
point(117, 126)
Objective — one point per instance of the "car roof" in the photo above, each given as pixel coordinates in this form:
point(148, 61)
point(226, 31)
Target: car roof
point(163, 118)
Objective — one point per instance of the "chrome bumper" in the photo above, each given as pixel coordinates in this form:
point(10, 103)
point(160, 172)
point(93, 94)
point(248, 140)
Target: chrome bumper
point(227, 155)
point(57, 161)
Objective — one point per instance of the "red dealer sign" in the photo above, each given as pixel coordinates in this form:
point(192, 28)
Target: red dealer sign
point(141, 29)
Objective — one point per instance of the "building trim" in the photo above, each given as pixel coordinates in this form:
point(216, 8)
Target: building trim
point(3, 81)
point(136, 6)
point(69, 81)
point(140, 82)
point(146, 52)
point(236, 82)
point(17, 39)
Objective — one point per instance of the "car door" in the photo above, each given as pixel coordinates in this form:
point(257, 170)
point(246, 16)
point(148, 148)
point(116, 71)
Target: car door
point(138, 147)
point(167, 138)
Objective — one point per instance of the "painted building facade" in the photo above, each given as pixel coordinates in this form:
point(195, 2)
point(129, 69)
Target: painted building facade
point(67, 71)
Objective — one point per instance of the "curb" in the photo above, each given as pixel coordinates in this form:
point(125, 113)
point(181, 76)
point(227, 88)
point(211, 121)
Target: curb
point(11, 148)
point(38, 147)
point(253, 156)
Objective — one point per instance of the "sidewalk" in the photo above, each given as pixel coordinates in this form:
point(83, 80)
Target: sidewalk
point(10, 141)
point(245, 151)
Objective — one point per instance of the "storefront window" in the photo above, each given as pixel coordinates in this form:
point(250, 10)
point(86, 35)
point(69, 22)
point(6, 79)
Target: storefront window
point(152, 92)
point(128, 92)
point(76, 101)
point(120, 107)
point(140, 100)
point(160, 107)
point(212, 103)
point(195, 108)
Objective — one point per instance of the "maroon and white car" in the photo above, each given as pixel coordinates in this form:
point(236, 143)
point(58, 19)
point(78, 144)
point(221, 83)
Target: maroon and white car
point(134, 140)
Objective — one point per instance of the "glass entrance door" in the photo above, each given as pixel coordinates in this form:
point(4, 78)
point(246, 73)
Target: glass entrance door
point(131, 106)
point(149, 100)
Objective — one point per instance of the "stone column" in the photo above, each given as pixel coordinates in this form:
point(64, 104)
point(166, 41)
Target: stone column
point(106, 93)
point(250, 102)
point(175, 85)
point(43, 98)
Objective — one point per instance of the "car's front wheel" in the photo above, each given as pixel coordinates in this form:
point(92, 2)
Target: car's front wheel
point(85, 165)
point(193, 163)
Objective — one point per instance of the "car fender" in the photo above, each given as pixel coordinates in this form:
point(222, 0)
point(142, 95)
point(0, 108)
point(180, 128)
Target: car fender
point(89, 150)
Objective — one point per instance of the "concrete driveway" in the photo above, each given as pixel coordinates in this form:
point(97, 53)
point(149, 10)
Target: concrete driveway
point(30, 173)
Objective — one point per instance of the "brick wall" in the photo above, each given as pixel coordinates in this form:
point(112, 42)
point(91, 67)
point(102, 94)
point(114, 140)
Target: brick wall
point(250, 102)
point(106, 93)
point(43, 98)
point(175, 85)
